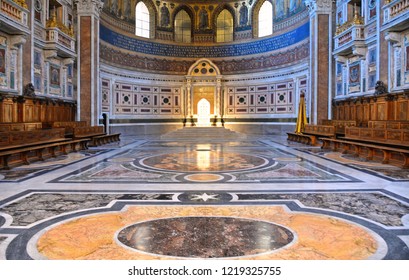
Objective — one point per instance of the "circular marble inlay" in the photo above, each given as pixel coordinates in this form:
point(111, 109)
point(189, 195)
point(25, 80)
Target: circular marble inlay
point(204, 177)
point(205, 237)
point(194, 161)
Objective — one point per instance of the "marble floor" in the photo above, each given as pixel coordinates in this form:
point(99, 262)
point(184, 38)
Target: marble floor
point(261, 198)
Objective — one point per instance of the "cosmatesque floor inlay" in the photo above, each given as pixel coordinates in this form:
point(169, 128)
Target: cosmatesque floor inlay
point(205, 163)
point(386, 171)
point(153, 199)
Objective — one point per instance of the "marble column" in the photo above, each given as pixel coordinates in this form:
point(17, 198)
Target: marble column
point(188, 97)
point(218, 110)
point(321, 85)
point(88, 12)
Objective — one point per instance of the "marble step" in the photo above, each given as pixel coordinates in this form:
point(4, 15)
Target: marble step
point(198, 133)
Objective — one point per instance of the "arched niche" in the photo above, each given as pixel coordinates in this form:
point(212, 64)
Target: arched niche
point(203, 80)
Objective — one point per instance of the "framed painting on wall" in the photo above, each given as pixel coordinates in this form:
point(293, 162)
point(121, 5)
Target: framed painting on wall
point(2, 61)
point(54, 76)
point(354, 73)
point(407, 58)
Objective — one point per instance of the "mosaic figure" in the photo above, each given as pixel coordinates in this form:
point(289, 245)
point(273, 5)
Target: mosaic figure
point(127, 10)
point(164, 15)
point(280, 9)
point(203, 19)
point(244, 14)
point(294, 4)
point(114, 7)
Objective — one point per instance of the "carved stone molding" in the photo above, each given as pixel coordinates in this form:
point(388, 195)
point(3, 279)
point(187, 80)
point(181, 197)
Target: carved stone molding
point(359, 51)
point(89, 7)
point(341, 58)
point(48, 54)
point(393, 37)
point(18, 40)
point(319, 6)
point(68, 61)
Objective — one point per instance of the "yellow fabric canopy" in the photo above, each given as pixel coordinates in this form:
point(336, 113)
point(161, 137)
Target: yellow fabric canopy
point(302, 116)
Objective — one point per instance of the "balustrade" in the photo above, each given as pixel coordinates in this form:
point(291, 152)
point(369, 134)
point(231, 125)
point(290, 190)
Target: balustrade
point(15, 11)
point(395, 9)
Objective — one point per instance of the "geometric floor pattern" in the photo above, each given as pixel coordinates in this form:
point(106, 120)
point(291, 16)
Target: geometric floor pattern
point(261, 198)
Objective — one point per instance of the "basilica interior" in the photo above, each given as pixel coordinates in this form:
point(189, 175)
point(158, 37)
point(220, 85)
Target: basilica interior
point(204, 129)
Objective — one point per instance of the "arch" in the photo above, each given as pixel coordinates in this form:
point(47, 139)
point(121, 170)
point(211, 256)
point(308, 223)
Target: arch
point(188, 10)
point(199, 63)
point(152, 15)
point(142, 20)
point(190, 13)
point(203, 112)
point(255, 13)
point(216, 13)
point(265, 18)
point(225, 24)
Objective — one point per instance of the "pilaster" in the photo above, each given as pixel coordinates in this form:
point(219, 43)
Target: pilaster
point(17, 43)
point(88, 13)
point(320, 59)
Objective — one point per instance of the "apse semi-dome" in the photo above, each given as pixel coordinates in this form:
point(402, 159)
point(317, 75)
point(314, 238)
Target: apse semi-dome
point(168, 37)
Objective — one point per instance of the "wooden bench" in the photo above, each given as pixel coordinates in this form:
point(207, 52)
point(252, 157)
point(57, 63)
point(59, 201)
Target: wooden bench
point(302, 138)
point(104, 139)
point(96, 135)
point(397, 137)
point(22, 126)
point(319, 131)
point(21, 146)
point(389, 124)
point(339, 125)
point(68, 126)
point(358, 148)
point(311, 134)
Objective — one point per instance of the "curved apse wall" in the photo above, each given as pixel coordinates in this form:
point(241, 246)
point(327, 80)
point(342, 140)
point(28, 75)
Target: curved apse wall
point(144, 80)
point(121, 50)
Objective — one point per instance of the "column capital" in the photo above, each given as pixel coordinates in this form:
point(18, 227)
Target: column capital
point(393, 37)
point(341, 58)
point(18, 40)
point(50, 54)
point(68, 61)
point(89, 7)
point(319, 6)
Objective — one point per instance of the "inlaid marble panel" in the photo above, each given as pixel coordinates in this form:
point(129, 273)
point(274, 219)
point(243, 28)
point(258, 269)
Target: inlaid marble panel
point(374, 206)
point(204, 160)
point(205, 237)
point(40, 206)
point(325, 237)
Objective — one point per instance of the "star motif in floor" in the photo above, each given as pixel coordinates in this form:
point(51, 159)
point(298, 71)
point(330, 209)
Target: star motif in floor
point(205, 197)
